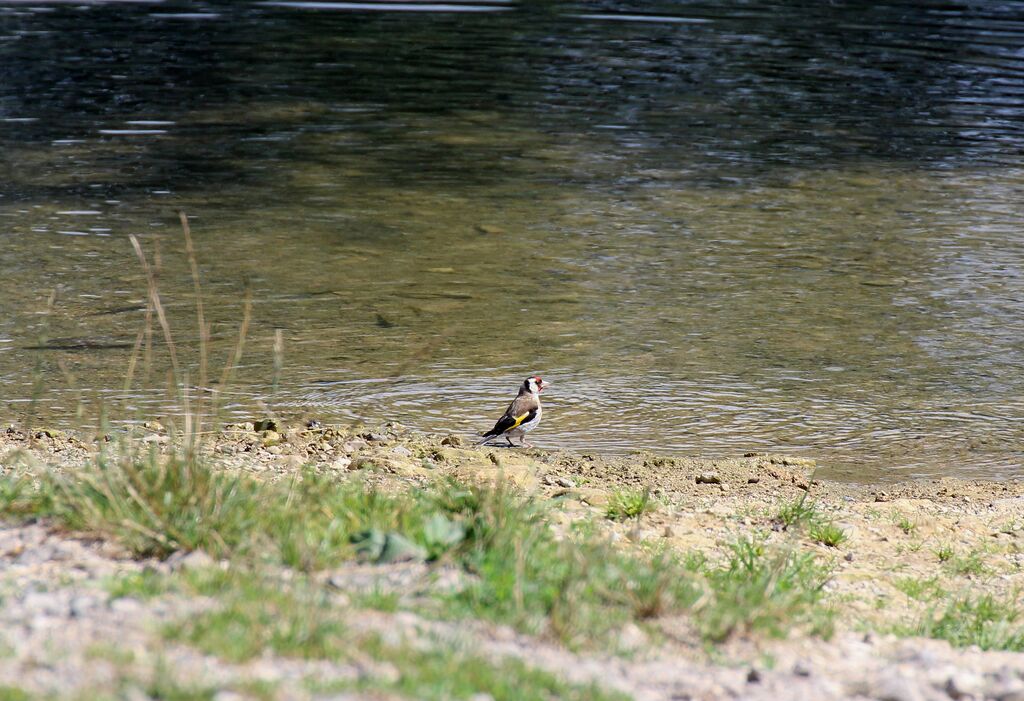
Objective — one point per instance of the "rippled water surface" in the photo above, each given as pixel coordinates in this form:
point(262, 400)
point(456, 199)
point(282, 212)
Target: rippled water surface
point(716, 228)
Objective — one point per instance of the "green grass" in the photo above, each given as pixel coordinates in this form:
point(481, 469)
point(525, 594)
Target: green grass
point(802, 513)
point(972, 563)
point(253, 618)
point(13, 693)
point(920, 589)
point(624, 504)
point(580, 590)
point(299, 620)
point(827, 533)
point(799, 512)
point(945, 552)
point(904, 523)
point(766, 591)
point(442, 673)
point(989, 622)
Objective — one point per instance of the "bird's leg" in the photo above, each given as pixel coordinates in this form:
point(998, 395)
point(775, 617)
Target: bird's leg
point(509, 439)
point(523, 443)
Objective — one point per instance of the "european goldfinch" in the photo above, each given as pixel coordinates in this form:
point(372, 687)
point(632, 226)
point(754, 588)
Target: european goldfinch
point(522, 415)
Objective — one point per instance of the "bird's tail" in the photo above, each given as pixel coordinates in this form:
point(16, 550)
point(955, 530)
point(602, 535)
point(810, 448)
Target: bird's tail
point(485, 437)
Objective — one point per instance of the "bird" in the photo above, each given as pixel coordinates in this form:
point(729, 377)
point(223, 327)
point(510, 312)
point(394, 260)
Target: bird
point(523, 413)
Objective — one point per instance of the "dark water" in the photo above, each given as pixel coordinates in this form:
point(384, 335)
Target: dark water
point(715, 227)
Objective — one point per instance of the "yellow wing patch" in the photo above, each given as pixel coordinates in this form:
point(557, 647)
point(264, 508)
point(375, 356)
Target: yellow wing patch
point(519, 420)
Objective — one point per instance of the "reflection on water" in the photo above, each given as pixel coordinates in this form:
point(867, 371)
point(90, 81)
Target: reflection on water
point(757, 227)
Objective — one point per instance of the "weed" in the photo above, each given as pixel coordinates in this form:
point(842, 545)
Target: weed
point(293, 622)
point(990, 623)
point(629, 503)
point(827, 533)
point(973, 563)
point(920, 589)
point(13, 693)
point(904, 523)
point(799, 512)
point(765, 591)
point(945, 553)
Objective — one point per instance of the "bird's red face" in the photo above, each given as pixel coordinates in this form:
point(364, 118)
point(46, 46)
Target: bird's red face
point(536, 384)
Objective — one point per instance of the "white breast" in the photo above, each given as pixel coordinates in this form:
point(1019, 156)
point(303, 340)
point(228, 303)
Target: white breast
point(531, 424)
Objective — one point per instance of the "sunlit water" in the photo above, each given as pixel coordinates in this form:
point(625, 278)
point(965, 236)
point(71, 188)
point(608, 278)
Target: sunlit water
point(715, 229)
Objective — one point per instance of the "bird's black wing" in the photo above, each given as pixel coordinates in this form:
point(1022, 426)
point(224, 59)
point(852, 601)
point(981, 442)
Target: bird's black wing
point(510, 420)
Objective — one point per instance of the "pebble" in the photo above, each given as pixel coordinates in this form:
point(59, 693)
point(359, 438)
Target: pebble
point(565, 482)
point(631, 638)
point(963, 685)
point(894, 685)
point(402, 451)
point(340, 464)
point(185, 560)
point(708, 478)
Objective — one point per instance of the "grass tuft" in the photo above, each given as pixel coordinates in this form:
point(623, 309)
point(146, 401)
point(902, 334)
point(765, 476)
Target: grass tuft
point(630, 503)
point(578, 589)
point(799, 512)
point(827, 533)
point(989, 622)
point(766, 591)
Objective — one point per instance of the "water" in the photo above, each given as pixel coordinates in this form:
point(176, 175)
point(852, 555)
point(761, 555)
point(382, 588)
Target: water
point(716, 229)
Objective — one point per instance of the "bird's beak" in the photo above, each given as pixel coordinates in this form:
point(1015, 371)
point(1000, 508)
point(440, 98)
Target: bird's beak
point(544, 384)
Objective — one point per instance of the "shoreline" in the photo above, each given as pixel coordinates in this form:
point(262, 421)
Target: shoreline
point(903, 554)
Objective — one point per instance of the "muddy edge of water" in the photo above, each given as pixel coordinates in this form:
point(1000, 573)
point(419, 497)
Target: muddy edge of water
point(274, 448)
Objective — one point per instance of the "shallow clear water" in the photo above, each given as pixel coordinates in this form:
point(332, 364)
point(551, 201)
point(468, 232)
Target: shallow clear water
point(716, 229)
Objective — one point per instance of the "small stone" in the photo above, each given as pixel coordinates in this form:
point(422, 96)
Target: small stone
point(963, 685)
point(183, 560)
point(155, 438)
point(565, 482)
point(340, 464)
point(802, 669)
point(1008, 693)
point(631, 638)
point(893, 685)
point(81, 605)
point(723, 487)
point(289, 463)
point(848, 557)
point(126, 605)
point(668, 532)
point(708, 478)
point(753, 480)
point(452, 441)
point(402, 451)
point(274, 450)
point(753, 676)
point(594, 497)
point(154, 426)
point(375, 437)
point(269, 438)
